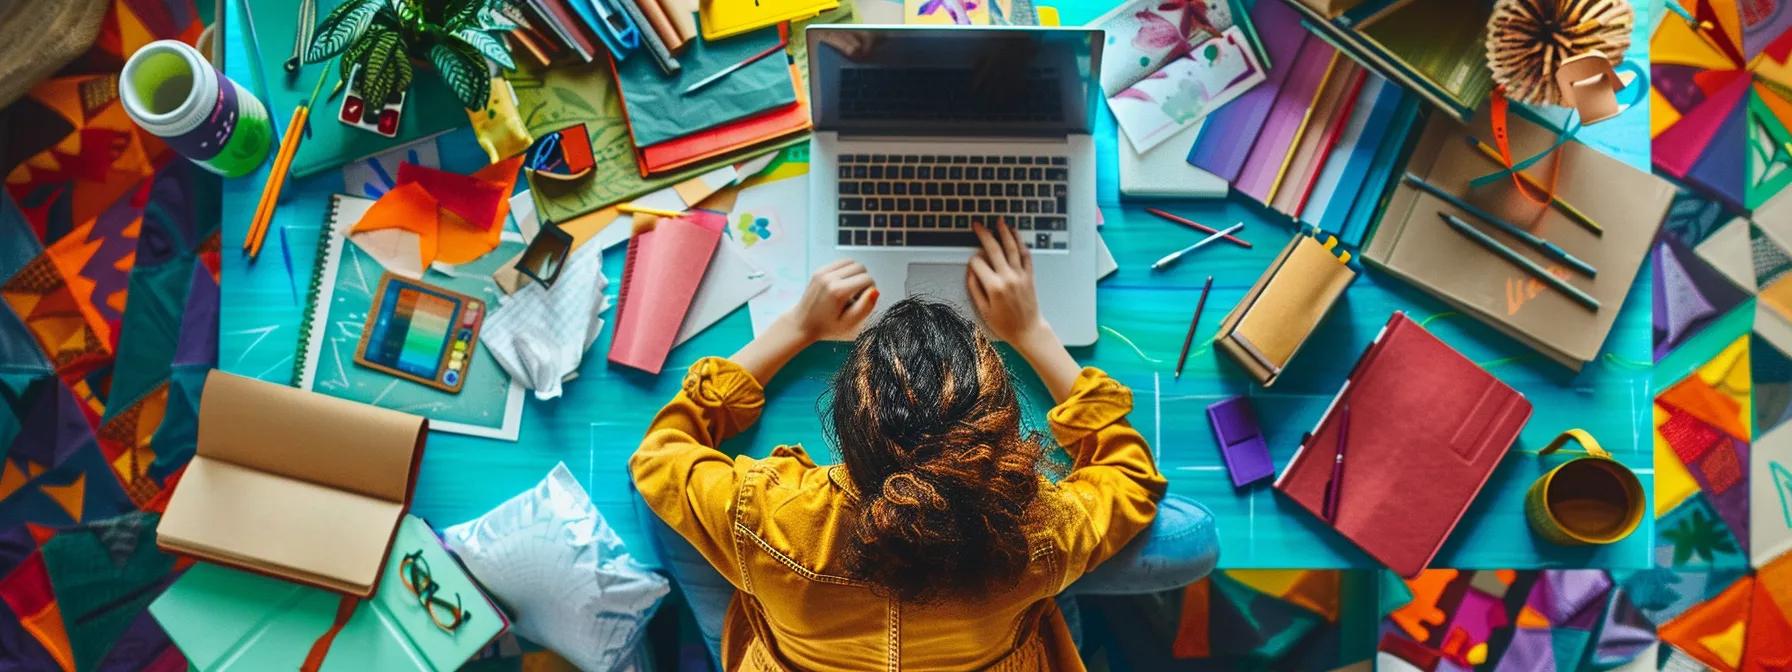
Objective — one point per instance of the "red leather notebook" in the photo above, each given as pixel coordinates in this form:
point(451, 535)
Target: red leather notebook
point(1427, 427)
point(666, 262)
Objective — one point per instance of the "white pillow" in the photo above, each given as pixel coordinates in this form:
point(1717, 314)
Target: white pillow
point(548, 556)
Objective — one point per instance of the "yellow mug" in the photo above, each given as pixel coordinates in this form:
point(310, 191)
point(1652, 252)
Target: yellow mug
point(1592, 499)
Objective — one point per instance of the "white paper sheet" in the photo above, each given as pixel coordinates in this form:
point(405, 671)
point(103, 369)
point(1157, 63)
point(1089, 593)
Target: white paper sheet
point(540, 334)
point(729, 282)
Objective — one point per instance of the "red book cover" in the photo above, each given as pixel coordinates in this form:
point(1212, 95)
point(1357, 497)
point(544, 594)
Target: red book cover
point(1427, 428)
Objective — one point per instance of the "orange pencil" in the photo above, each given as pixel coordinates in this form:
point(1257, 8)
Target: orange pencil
point(270, 193)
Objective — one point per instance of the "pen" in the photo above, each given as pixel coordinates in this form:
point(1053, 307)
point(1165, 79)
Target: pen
point(1171, 258)
point(1572, 212)
point(1190, 338)
point(629, 208)
point(1520, 261)
point(1335, 487)
point(1197, 226)
point(724, 72)
point(1549, 249)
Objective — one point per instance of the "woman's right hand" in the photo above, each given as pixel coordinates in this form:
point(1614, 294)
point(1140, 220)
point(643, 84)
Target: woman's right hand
point(1000, 280)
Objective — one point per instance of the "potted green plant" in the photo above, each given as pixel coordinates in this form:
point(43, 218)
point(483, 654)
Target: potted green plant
point(378, 41)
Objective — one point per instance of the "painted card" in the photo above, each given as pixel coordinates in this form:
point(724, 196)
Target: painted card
point(1181, 93)
point(1145, 35)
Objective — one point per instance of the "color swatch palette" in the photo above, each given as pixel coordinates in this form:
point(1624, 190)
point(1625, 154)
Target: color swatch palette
point(421, 333)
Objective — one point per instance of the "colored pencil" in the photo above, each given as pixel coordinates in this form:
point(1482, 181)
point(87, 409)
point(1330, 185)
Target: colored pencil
point(1198, 227)
point(270, 192)
point(1548, 249)
point(724, 72)
point(1330, 142)
point(1572, 212)
point(1192, 323)
point(1172, 257)
point(1301, 130)
point(1520, 261)
point(628, 208)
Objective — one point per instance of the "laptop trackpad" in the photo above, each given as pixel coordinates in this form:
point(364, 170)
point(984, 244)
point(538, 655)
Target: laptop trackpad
point(941, 282)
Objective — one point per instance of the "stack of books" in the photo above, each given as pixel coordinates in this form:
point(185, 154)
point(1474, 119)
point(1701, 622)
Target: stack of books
point(1319, 141)
point(1436, 48)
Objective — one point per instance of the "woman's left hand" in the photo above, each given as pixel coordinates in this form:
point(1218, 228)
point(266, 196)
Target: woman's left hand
point(839, 297)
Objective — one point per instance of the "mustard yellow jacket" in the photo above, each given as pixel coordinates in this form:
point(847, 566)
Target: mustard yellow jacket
point(777, 528)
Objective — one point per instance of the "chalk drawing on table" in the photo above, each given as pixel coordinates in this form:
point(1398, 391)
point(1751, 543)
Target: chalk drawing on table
point(261, 334)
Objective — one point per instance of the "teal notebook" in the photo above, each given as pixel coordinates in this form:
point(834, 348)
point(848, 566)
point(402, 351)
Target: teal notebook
point(430, 109)
point(344, 279)
point(226, 619)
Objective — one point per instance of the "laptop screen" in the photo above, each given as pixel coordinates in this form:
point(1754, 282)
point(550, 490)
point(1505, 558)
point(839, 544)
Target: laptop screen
point(897, 80)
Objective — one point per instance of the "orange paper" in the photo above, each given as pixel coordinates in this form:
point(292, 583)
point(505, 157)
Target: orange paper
point(445, 233)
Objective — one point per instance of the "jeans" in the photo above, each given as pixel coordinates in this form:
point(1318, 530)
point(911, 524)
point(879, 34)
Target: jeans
point(1179, 548)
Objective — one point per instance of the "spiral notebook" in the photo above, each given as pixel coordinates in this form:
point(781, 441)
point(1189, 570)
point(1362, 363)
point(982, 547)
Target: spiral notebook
point(343, 283)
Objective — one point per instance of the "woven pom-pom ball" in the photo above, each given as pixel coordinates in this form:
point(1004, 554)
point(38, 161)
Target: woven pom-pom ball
point(1528, 39)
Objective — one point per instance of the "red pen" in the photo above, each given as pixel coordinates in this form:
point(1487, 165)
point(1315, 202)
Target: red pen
point(1335, 486)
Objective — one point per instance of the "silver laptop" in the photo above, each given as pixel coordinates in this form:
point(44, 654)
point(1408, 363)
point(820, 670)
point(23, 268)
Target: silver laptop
point(920, 131)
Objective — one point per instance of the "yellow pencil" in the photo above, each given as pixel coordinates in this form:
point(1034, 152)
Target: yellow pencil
point(1572, 212)
point(633, 209)
point(1302, 129)
point(270, 191)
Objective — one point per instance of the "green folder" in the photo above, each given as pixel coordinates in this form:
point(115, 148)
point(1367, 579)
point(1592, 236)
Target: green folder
point(225, 619)
point(430, 109)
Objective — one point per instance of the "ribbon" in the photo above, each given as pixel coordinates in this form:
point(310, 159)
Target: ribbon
point(1499, 106)
point(320, 648)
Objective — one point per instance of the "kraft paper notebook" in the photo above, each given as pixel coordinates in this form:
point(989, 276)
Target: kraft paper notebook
point(664, 267)
point(1284, 306)
point(430, 109)
point(224, 619)
point(344, 283)
point(294, 485)
point(1413, 243)
point(1424, 422)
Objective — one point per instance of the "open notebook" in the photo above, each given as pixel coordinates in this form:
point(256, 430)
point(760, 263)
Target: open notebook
point(295, 485)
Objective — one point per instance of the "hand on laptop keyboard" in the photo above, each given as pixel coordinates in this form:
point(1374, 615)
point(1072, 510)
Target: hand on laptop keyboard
point(1000, 280)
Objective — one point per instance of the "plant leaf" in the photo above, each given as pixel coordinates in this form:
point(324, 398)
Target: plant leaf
point(356, 53)
point(494, 17)
point(410, 12)
point(387, 70)
point(342, 26)
point(487, 45)
point(464, 71)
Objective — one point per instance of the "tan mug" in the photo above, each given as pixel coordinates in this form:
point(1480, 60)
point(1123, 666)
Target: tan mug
point(1592, 499)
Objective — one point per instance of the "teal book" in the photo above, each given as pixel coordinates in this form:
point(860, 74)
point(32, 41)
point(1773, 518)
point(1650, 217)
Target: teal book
point(659, 110)
point(226, 619)
point(430, 109)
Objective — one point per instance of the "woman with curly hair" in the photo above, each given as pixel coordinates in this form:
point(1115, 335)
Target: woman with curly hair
point(949, 536)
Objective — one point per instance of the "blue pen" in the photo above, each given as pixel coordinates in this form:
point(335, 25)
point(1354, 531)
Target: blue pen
point(1549, 249)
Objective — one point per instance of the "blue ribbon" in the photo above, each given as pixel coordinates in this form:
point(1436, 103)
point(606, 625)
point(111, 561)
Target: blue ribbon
point(1628, 97)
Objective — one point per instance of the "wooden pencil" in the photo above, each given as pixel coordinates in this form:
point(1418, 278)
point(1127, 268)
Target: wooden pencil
point(1199, 227)
point(1192, 323)
point(270, 192)
point(1301, 130)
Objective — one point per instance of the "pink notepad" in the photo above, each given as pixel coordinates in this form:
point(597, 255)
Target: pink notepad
point(666, 261)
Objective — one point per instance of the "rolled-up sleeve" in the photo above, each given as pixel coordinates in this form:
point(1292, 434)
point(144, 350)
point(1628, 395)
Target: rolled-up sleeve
point(1114, 484)
point(678, 471)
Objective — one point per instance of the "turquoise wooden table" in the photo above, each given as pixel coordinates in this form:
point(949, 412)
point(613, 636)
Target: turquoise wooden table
point(1143, 316)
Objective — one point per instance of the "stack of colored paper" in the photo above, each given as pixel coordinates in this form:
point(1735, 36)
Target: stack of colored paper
point(675, 123)
point(1434, 47)
point(1319, 140)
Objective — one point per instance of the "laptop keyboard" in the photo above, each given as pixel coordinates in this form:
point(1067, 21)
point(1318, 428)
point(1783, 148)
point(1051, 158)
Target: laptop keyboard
point(924, 200)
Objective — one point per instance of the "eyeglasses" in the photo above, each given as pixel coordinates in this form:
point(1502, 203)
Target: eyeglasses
point(414, 572)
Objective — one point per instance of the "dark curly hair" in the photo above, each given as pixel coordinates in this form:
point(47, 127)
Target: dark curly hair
point(927, 421)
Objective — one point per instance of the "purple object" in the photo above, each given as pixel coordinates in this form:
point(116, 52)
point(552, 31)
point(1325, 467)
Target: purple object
point(1241, 441)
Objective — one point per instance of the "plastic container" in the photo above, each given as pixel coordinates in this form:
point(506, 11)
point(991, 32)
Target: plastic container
point(172, 92)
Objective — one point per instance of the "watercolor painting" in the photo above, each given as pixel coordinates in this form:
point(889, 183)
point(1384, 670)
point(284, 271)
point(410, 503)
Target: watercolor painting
point(1182, 92)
